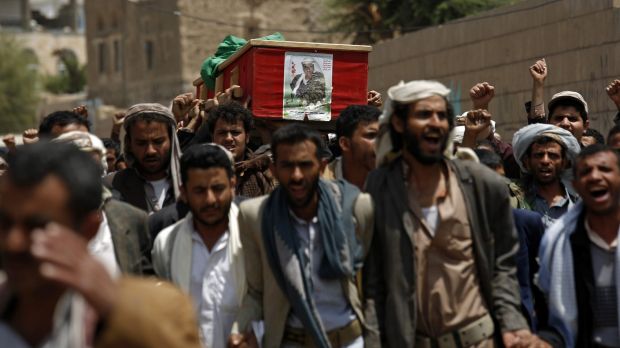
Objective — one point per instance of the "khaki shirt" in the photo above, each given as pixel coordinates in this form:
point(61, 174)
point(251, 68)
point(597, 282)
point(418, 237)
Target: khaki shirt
point(448, 291)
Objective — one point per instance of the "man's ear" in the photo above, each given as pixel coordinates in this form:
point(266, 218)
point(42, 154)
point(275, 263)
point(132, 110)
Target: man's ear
point(398, 124)
point(233, 181)
point(345, 144)
point(90, 224)
point(586, 125)
point(183, 193)
point(322, 165)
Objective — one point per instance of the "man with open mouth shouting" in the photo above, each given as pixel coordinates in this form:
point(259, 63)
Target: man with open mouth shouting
point(579, 253)
point(441, 268)
point(545, 153)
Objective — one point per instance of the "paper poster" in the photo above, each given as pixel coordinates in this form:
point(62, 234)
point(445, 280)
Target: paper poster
point(307, 86)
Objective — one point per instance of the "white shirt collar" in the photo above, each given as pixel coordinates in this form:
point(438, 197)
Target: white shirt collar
point(598, 241)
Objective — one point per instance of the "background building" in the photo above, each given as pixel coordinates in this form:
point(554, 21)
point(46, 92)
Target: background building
point(579, 39)
point(152, 50)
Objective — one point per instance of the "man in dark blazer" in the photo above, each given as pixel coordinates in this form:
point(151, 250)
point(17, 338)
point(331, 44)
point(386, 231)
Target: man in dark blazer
point(130, 237)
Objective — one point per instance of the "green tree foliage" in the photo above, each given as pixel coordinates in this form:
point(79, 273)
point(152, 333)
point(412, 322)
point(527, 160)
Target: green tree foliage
point(18, 86)
point(73, 77)
point(369, 21)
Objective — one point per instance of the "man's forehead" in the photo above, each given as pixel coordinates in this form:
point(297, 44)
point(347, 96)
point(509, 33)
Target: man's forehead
point(149, 128)
point(551, 145)
point(47, 197)
point(565, 110)
point(600, 158)
point(368, 125)
point(434, 101)
point(222, 124)
point(300, 151)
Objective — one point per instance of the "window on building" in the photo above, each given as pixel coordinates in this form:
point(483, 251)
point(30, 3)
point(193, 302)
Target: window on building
point(103, 55)
point(100, 24)
point(148, 53)
point(118, 56)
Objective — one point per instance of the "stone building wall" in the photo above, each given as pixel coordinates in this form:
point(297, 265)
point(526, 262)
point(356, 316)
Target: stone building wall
point(180, 43)
point(579, 39)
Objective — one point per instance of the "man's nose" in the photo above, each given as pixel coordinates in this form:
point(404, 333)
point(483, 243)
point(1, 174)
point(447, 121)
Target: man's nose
point(16, 240)
point(211, 199)
point(150, 149)
point(565, 123)
point(297, 174)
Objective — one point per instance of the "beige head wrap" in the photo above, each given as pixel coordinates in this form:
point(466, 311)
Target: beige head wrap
point(403, 93)
point(86, 142)
point(164, 115)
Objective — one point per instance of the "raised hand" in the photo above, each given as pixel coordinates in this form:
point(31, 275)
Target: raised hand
point(477, 121)
point(65, 259)
point(613, 91)
point(539, 71)
point(481, 95)
point(30, 136)
point(181, 105)
point(9, 142)
point(374, 99)
point(118, 119)
point(81, 110)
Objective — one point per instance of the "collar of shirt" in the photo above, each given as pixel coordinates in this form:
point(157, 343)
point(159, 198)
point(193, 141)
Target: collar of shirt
point(568, 198)
point(598, 241)
point(219, 245)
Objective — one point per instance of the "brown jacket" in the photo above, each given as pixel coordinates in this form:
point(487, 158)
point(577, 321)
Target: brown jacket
point(264, 299)
point(389, 271)
point(149, 313)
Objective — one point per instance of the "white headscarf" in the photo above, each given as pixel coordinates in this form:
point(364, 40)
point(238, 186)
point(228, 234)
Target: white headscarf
point(525, 136)
point(86, 142)
point(403, 93)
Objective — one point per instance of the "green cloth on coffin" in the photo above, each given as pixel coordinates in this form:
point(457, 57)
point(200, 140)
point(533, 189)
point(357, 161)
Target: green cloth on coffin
point(226, 48)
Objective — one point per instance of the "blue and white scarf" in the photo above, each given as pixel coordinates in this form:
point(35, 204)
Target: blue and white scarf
point(342, 256)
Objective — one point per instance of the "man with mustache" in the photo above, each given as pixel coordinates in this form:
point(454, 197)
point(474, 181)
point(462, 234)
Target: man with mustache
point(201, 252)
point(53, 291)
point(151, 150)
point(303, 245)
point(579, 257)
point(545, 152)
point(441, 269)
point(230, 126)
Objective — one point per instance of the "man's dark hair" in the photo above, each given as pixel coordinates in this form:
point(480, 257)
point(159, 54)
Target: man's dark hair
point(293, 134)
point(76, 169)
point(591, 132)
point(402, 111)
point(613, 131)
point(353, 115)
point(231, 112)
point(566, 102)
point(62, 119)
point(593, 150)
point(109, 143)
point(204, 156)
point(489, 158)
point(543, 140)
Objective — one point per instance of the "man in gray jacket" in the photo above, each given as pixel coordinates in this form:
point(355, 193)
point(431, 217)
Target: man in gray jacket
point(441, 269)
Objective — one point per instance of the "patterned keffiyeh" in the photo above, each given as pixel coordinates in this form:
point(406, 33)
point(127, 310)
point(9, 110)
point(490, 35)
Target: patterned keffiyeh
point(342, 252)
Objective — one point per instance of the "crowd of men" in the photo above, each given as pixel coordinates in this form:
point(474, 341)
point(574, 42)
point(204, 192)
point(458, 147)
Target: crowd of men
point(412, 227)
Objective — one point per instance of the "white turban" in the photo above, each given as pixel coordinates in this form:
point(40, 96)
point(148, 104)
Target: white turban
point(403, 93)
point(86, 142)
point(525, 136)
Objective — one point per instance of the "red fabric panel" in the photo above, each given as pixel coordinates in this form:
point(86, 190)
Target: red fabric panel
point(261, 75)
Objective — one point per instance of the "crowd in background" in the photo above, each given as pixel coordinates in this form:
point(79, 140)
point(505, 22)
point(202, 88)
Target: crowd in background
point(198, 224)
